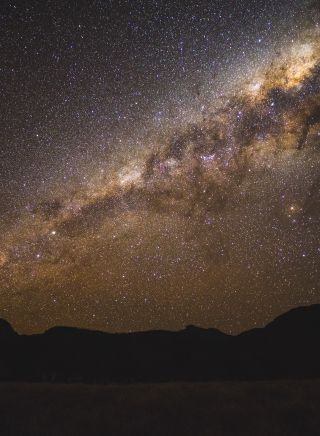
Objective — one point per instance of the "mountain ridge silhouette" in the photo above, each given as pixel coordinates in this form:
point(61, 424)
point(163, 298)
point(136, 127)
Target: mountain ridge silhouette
point(287, 347)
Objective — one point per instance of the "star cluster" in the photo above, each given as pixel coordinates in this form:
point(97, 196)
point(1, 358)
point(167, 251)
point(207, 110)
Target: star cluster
point(160, 164)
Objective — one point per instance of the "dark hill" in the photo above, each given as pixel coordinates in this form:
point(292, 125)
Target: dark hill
point(6, 331)
point(286, 348)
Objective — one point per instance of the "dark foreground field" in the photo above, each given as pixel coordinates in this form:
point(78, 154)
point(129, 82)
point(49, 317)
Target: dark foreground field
point(222, 408)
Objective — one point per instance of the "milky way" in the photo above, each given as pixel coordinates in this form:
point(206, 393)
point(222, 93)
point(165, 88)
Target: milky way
point(206, 211)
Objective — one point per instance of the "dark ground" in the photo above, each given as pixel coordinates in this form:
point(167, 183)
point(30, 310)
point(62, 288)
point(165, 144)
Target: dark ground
point(220, 408)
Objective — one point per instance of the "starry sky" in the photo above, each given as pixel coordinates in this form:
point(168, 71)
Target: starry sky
point(159, 163)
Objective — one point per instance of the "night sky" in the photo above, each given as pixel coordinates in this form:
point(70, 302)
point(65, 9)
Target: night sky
point(159, 163)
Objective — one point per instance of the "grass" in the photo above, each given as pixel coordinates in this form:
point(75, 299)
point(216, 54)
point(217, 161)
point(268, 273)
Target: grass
point(171, 409)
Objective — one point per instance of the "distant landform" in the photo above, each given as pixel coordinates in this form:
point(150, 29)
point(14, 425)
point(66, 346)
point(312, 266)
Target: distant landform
point(288, 347)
